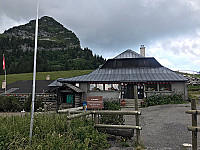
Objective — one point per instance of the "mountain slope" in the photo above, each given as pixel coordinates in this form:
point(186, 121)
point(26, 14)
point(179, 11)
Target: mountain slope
point(58, 48)
point(51, 34)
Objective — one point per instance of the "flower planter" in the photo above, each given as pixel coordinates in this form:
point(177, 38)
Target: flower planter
point(122, 103)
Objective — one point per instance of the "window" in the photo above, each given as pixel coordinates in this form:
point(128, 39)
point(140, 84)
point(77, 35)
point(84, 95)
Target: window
point(96, 87)
point(151, 87)
point(108, 87)
point(100, 87)
point(111, 87)
point(165, 87)
point(115, 87)
point(92, 86)
point(77, 84)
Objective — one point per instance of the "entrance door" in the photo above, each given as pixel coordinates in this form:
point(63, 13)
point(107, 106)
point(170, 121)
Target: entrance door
point(128, 91)
point(70, 99)
point(140, 91)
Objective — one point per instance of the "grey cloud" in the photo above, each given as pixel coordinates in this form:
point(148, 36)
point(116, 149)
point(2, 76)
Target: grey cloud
point(113, 25)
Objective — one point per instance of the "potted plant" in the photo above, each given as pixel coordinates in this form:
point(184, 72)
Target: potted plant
point(122, 102)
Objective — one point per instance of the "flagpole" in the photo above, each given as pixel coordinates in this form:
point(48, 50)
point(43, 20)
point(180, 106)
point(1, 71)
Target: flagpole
point(5, 80)
point(34, 74)
point(4, 68)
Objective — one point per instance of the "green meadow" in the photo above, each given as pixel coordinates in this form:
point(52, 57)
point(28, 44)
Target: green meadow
point(10, 78)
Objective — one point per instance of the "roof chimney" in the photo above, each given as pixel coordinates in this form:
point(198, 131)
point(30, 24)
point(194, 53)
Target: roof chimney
point(48, 77)
point(3, 84)
point(142, 50)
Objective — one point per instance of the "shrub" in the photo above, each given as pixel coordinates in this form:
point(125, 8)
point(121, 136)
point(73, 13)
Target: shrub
point(50, 131)
point(9, 103)
point(113, 105)
point(163, 99)
point(112, 119)
point(38, 103)
point(12, 104)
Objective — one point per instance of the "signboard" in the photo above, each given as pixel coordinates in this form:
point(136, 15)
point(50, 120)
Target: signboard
point(95, 102)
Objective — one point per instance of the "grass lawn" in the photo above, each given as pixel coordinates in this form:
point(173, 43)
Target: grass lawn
point(42, 75)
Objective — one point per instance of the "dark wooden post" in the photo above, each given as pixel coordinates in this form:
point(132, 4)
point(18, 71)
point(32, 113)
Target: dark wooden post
point(194, 124)
point(95, 118)
point(137, 116)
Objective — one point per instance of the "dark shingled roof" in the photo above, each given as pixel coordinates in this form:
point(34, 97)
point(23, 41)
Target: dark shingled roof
point(129, 67)
point(128, 75)
point(131, 63)
point(74, 88)
point(25, 86)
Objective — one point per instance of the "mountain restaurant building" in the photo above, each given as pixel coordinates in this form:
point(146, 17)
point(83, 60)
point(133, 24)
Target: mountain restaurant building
point(117, 77)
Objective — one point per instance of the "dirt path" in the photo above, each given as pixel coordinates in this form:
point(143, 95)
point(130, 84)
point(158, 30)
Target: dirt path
point(165, 127)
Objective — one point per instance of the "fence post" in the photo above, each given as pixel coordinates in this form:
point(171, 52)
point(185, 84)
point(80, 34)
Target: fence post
point(136, 116)
point(194, 124)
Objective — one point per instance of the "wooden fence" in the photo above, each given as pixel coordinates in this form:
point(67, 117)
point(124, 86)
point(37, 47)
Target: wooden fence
point(93, 114)
point(78, 114)
point(194, 128)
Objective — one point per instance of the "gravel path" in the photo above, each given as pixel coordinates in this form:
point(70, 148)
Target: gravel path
point(164, 127)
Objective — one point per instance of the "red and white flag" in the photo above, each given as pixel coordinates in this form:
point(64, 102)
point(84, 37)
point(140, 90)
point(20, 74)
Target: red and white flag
point(4, 65)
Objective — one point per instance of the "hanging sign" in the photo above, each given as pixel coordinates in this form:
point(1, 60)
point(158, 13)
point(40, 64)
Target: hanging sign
point(95, 102)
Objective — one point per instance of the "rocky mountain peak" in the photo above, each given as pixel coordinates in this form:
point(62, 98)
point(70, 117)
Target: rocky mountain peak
point(49, 30)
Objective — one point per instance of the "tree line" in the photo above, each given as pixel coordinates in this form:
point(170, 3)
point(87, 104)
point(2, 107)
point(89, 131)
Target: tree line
point(59, 58)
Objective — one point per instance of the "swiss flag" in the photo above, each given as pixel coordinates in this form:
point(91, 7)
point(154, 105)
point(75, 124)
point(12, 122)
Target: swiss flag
point(4, 65)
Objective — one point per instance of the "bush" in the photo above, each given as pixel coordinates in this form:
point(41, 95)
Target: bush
point(112, 119)
point(9, 103)
point(163, 99)
point(113, 105)
point(51, 132)
point(12, 104)
point(38, 103)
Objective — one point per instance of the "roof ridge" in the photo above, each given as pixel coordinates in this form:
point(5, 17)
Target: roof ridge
point(128, 54)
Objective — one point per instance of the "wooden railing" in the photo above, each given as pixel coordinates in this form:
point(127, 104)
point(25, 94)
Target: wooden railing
point(194, 128)
point(78, 114)
point(93, 114)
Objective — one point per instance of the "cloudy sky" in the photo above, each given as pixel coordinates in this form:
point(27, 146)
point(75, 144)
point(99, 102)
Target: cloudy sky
point(170, 30)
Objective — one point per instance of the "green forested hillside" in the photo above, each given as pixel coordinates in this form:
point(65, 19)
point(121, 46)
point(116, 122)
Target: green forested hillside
point(59, 60)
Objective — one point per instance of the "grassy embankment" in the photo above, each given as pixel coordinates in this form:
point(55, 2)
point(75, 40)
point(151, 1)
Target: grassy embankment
point(42, 75)
point(194, 91)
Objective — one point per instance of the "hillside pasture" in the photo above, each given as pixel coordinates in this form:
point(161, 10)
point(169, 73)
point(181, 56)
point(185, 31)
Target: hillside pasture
point(42, 75)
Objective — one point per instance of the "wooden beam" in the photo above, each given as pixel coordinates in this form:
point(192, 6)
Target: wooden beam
point(138, 142)
point(195, 129)
point(194, 124)
point(194, 112)
point(110, 112)
point(118, 126)
point(79, 115)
